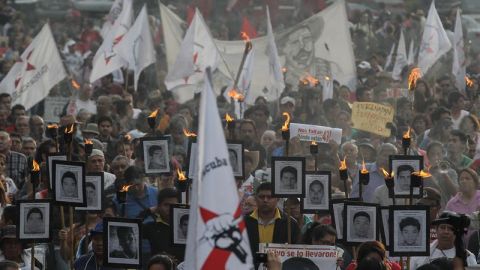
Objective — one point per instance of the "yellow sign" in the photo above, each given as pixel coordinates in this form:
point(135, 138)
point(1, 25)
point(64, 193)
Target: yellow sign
point(372, 117)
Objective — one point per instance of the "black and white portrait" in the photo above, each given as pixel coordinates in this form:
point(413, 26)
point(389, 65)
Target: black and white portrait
point(122, 246)
point(93, 192)
point(235, 153)
point(361, 222)
point(409, 230)
point(34, 220)
point(50, 159)
point(192, 160)
point(288, 176)
point(156, 155)
point(69, 182)
point(179, 214)
point(338, 212)
point(403, 167)
point(317, 192)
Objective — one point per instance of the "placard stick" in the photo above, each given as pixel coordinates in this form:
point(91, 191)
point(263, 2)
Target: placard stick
point(72, 253)
point(32, 260)
point(289, 224)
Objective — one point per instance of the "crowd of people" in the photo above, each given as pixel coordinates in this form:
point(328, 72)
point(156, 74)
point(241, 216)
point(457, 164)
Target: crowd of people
point(445, 131)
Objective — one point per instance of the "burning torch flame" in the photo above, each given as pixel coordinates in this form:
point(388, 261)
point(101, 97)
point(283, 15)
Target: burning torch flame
point(309, 80)
point(68, 131)
point(364, 168)
point(125, 188)
point(314, 143)
point(153, 114)
point(415, 74)
point(128, 137)
point(51, 126)
point(386, 174)
point(406, 135)
point(468, 81)
point(343, 164)
point(245, 36)
point(236, 95)
point(422, 174)
point(287, 121)
point(75, 84)
point(181, 175)
point(35, 166)
point(87, 141)
point(228, 118)
point(189, 133)
point(284, 69)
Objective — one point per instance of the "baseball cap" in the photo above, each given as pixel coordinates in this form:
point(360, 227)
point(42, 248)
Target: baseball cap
point(431, 197)
point(287, 99)
point(97, 230)
point(364, 65)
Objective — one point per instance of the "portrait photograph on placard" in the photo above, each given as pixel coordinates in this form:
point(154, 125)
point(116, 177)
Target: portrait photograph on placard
point(235, 153)
point(50, 159)
point(192, 159)
point(288, 176)
point(122, 242)
point(402, 167)
point(156, 155)
point(69, 183)
point(360, 222)
point(179, 214)
point(337, 209)
point(317, 192)
point(33, 221)
point(409, 230)
point(384, 228)
point(94, 192)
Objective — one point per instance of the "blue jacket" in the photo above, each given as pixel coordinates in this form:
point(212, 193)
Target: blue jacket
point(89, 262)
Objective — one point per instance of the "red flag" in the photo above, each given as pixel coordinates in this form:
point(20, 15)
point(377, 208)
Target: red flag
point(248, 28)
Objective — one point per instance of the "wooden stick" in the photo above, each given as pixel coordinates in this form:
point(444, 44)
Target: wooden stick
point(289, 224)
point(72, 251)
point(32, 260)
point(62, 216)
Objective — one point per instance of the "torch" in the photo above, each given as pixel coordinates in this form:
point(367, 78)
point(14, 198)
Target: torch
point(284, 71)
point(406, 141)
point(183, 183)
point(413, 77)
point(152, 120)
point(52, 132)
point(286, 131)
point(88, 148)
point(468, 82)
point(363, 179)
point(390, 183)
point(189, 134)
point(248, 48)
point(314, 152)
point(75, 84)
point(309, 80)
point(230, 126)
point(122, 197)
point(68, 137)
point(416, 181)
point(343, 171)
point(34, 177)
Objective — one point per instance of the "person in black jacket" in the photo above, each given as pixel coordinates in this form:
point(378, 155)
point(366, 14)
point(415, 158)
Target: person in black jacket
point(267, 224)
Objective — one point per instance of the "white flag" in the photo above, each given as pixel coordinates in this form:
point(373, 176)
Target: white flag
point(36, 72)
point(276, 82)
point(217, 236)
point(107, 59)
point(389, 59)
point(197, 52)
point(137, 45)
point(411, 53)
point(435, 42)
point(327, 88)
point(112, 16)
point(172, 33)
point(400, 59)
point(458, 67)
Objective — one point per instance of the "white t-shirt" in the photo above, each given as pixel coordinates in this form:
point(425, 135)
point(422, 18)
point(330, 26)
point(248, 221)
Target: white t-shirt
point(456, 122)
point(435, 253)
point(109, 179)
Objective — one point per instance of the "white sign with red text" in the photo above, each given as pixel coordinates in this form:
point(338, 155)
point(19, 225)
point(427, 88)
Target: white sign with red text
point(318, 134)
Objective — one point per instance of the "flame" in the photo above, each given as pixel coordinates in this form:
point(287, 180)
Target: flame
point(87, 141)
point(284, 69)
point(314, 143)
point(153, 114)
point(189, 133)
point(128, 137)
point(343, 164)
point(181, 175)
point(51, 126)
point(386, 174)
point(406, 135)
point(35, 166)
point(67, 131)
point(364, 168)
point(422, 174)
point(75, 84)
point(309, 80)
point(415, 74)
point(228, 118)
point(468, 81)
point(236, 95)
point(125, 188)
point(245, 36)
point(287, 121)
point(327, 78)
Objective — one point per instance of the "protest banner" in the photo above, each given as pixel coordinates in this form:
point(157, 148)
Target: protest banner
point(53, 108)
point(295, 256)
point(372, 117)
point(319, 134)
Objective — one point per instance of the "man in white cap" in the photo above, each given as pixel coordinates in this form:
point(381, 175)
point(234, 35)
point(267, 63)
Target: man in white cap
point(96, 164)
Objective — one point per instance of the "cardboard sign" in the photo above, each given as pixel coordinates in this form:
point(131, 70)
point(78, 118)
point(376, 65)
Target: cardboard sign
point(296, 256)
point(318, 134)
point(372, 117)
point(53, 108)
